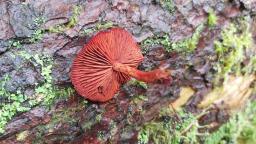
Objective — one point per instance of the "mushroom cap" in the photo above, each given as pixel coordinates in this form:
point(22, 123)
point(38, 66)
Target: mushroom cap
point(92, 74)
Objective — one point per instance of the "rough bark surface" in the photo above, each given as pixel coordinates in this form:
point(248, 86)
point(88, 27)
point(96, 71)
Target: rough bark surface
point(73, 121)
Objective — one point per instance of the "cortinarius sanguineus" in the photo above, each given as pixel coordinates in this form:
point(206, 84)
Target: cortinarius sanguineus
point(108, 60)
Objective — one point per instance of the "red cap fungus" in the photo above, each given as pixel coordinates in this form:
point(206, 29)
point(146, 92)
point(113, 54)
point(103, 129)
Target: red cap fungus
point(107, 61)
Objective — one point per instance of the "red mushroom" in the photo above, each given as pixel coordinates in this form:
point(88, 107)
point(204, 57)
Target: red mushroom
point(108, 60)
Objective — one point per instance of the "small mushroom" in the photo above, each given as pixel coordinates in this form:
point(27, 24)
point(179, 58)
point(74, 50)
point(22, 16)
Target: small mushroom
point(108, 60)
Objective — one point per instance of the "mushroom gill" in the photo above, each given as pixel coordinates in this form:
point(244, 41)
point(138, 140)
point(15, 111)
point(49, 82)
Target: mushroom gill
point(108, 60)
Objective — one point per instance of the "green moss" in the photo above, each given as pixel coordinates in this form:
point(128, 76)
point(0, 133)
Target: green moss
point(101, 135)
point(88, 125)
point(71, 23)
point(212, 18)
point(37, 36)
point(168, 5)
point(24, 54)
point(93, 120)
point(65, 116)
point(12, 103)
point(57, 29)
point(230, 49)
point(139, 98)
point(239, 129)
point(251, 66)
point(185, 46)
point(39, 21)
point(74, 19)
point(155, 131)
point(188, 45)
point(170, 131)
point(46, 93)
point(137, 102)
point(138, 83)
point(104, 25)
point(156, 40)
point(98, 27)
point(88, 31)
point(98, 117)
point(46, 89)
point(15, 43)
point(39, 32)
point(112, 128)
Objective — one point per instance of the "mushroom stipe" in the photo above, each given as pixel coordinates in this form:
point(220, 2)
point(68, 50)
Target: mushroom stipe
point(108, 60)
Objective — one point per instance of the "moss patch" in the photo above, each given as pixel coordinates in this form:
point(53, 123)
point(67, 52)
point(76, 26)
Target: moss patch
point(98, 27)
point(170, 130)
point(239, 129)
point(185, 46)
point(212, 18)
point(231, 49)
point(71, 23)
point(168, 5)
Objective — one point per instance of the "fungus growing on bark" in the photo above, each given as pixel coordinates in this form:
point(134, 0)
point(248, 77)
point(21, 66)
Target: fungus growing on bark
point(108, 60)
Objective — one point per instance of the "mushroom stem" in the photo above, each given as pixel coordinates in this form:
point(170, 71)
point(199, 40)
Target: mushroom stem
point(150, 76)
